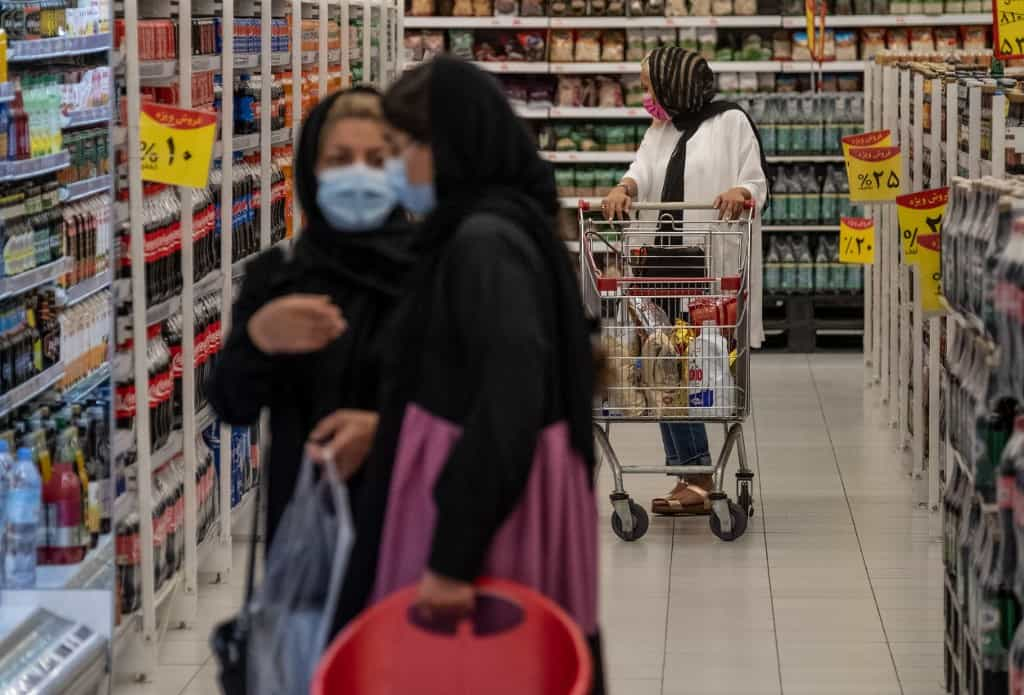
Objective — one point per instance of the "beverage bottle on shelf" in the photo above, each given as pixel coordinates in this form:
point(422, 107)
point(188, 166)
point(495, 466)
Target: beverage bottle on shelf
point(797, 209)
point(62, 498)
point(772, 279)
point(784, 127)
point(781, 196)
point(128, 558)
point(22, 526)
point(829, 213)
point(6, 464)
point(805, 265)
point(764, 116)
point(969, 528)
point(822, 268)
point(172, 335)
point(813, 110)
point(788, 276)
point(992, 430)
point(159, 516)
point(812, 197)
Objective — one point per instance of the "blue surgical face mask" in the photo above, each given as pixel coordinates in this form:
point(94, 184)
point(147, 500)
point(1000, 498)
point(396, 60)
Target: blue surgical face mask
point(355, 198)
point(417, 198)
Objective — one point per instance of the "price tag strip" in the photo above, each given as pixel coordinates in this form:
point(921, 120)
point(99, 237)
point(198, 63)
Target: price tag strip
point(176, 145)
point(919, 214)
point(857, 240)
point(874, 174)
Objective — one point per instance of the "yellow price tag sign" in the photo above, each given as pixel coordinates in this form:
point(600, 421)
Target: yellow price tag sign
point(929, 265)
point(176, 145)
point(874, 174)
point(857, 240)
point(919, 214)
point(1008, 29)
point(876, 138)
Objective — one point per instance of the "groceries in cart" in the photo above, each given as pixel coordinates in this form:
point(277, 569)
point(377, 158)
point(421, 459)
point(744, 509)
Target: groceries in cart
point(672, 368)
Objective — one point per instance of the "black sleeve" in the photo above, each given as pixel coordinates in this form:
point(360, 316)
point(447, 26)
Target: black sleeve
point(496, 312)
point(242, 380)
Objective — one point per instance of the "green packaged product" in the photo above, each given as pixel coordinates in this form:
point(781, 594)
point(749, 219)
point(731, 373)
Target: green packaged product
point(564, 141)
point(618, 138)
point(585, 138)
point(565, 181)
point(585, 177)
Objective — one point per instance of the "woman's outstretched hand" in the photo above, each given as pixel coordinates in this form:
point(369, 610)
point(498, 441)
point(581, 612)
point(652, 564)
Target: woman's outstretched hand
point(730, 205)
point(296, 323)
point(343, 439)
point(439, 597)
point(616, 205)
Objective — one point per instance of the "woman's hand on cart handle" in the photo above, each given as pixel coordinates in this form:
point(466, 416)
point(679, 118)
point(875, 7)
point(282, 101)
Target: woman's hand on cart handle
point(296, 324)
point(617, 204)
point(441, 598)
point(732, 203)
point(343, 439)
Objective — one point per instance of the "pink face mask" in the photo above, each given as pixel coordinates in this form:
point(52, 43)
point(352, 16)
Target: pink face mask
point(655, 109)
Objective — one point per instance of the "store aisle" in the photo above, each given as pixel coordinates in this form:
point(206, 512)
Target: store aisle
point(835, 588)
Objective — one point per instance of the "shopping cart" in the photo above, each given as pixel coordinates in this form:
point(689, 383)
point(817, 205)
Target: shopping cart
point(672, 299)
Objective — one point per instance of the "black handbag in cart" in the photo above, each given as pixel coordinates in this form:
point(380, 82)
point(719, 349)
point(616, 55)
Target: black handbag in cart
point(670, 262)
point(230, 639)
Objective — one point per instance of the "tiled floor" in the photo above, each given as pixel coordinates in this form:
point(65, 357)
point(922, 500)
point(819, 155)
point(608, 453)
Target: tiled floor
point(834, 589)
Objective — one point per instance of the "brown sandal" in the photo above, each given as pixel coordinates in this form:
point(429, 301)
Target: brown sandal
point(677, 504)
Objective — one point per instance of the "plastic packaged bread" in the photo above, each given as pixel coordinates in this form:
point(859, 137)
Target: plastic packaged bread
point(662, 375)
point(622, 397)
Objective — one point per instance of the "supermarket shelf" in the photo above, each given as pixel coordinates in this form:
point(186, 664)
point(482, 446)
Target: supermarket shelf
point(158, 313)
point(88, 287)
point(239, 511)
point(24, 393)
point(573, 203)
point(157, 69)
point(476, 22)
point(206, 63)
point(883, 20)
point(205, 418)
point(84, 117)
point(73, 576)
point(530, 112)
point(39, 203)
point(800, 228)
point(588, 113)
point(7, 90)
point(588, 157)
point(59, 47)
point(804, 158)
point(84, 189)
point(972, 324)
point(280, 136)
point(208, 284)
point(167, 452)
point(513, 66)
point(280, 59)
point(812, 66)
point(247, 61)
point(37, 166)
point(240, 143)
point(34, 278)
point(766, 21)
point(88, 384)
point(592, 68)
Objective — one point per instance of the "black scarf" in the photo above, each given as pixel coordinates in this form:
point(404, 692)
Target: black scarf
point(377, 260)
point(684, 84)
point(486, 161)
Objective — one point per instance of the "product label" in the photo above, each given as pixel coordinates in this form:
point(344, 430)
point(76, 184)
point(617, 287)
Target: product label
point(702, 399)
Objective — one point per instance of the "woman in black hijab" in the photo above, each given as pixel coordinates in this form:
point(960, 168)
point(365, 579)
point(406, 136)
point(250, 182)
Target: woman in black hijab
point(485, 444)
point(304, 329)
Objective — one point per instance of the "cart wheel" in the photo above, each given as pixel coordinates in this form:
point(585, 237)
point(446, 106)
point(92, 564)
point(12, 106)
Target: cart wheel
point(739, 523)
point(744, 498)
point(640, 523)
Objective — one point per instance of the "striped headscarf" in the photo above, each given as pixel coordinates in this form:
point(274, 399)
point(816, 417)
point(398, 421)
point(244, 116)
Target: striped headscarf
point(682, 81)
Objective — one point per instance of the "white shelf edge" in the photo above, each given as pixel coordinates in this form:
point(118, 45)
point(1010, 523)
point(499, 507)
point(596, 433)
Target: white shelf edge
point(411, 22)
point(84, 189)
point(805, 158)
point(625, 112)
point(25, 392)
point(31, 279)
point(87, 384)
point(66, 576)
point(795, 228)
point(588, 157)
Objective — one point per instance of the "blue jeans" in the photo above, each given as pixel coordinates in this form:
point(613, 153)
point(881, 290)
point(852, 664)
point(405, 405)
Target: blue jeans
point(686, 444)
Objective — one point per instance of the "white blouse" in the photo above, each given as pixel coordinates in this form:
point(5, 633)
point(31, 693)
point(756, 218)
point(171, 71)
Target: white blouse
point(722, 154)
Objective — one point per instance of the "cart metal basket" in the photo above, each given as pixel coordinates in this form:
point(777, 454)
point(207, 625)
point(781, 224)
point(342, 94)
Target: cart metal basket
point(671, 296)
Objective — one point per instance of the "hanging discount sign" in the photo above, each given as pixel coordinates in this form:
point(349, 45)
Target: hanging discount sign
point(874, 174)
point(176, 145)
point(857, 240)
point(876, 138)
point(929, 265)
point(1008, 28)
point(919, 214)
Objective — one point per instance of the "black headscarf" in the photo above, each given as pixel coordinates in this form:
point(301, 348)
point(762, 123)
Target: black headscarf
point(684, 85)
point(485, 160)
point(378, 259)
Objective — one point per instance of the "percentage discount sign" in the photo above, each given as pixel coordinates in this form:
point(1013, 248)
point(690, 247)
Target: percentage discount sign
point(857, 240)
point(1008, 28)
point(176, 145)
point(920, 214)
point(930, 266)
point(874, 173)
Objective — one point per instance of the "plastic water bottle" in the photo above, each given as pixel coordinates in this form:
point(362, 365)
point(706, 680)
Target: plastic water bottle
point(6, 463)
point(24, 509)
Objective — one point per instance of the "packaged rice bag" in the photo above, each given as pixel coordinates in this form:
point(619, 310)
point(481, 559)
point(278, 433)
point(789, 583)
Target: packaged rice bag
point(946, 39)
point(635, 45)
point(588, 46)
point(749, 81)
point(561, 49)
point(460, 43)
point(531, 8)
point(422, 8)
point(974, 38)
point(676, 8)
point(721, 8)
point(801, 49)
point(846, 45)
point(745, 8)
point(897, 40)
point(609, 93)
point(589, 92)
point(613, 46)
point(633, 90)
point(652, 38)
point(782, 46)
point(687, 37)
point(872, 41)
point(922, 39)
point(700, 8)
point(570, 92)
point(483, 8)
point(506, 8)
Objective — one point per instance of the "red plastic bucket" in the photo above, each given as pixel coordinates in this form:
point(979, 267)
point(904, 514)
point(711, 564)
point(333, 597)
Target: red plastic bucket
point(517, 643)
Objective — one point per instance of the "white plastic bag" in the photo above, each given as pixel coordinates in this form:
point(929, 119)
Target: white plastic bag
point(293, 610)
